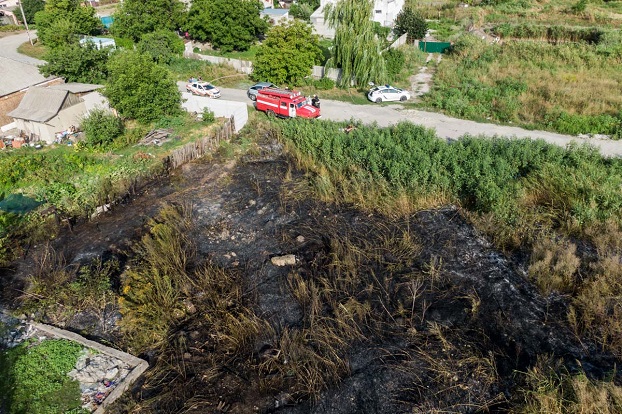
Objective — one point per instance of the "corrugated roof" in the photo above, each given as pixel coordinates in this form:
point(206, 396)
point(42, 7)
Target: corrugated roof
point(15, 76)
point(77, 87)
point(39, 104)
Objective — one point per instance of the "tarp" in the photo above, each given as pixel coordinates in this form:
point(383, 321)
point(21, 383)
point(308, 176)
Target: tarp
point(18, 204)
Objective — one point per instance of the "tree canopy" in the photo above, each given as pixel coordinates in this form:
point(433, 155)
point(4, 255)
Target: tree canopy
point(227, 24)
point(161, 45)
point(134, 18)
point(357, 50)
point(288, 54)
point(77, 63)
point(61, 21)
point(410, 22)
point(139, 88)
point(30, 8)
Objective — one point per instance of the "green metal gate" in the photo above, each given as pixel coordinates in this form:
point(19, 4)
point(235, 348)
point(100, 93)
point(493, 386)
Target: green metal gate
point(434, 47)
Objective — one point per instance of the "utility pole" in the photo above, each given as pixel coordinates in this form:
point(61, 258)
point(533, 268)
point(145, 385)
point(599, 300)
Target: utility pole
point(25, 22)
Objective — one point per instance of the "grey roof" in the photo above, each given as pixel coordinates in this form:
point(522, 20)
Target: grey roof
point(16, 76)
point(77, 87)
point(39, 104)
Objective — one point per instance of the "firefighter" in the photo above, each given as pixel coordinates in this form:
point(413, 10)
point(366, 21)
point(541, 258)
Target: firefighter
point(315, 101)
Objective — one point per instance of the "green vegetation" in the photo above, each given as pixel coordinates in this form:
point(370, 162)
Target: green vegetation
point(297, 42)
point(34, 378)
point(30, 8)
point(101, 128)
point(409, 21)
point(227, 24)
point(569, 88)
point(134, 18)
point(357, 50)
point(76, 63)
point(508, 180)
point(139, 88)
point(161, 45)
point(248, 54)
point(36, 50)
point(62, 21)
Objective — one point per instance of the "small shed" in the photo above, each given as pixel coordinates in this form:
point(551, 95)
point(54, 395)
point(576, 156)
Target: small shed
point(45, 111)
point(275, 16)
point(99, 42)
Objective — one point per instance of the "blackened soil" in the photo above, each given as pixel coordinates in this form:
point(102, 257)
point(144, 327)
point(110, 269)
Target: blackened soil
point(451, 320)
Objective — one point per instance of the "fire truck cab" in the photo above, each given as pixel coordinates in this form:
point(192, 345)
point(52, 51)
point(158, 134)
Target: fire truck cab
point(285, 104)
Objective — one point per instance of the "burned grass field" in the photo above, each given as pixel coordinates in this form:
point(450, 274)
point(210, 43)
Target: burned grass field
point(370, 312)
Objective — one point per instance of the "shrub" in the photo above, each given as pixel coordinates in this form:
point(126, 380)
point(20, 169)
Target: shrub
point(395, 62)
point(101, 127)
point(208, 116)
point(324, 84)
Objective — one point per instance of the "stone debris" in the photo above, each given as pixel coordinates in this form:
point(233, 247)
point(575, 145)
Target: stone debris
point(287, 260)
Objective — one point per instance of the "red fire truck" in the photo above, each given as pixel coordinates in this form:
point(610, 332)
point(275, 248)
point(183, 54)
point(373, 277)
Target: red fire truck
point(285, 104)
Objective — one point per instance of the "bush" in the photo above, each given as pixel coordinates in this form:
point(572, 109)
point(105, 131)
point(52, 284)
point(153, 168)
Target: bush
point(208, 116)
point(394, 59)
point(101, 127)
point(324, 84)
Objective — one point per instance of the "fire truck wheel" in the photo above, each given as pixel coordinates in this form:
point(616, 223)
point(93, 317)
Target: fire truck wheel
point(378, 100)
point(270, 113)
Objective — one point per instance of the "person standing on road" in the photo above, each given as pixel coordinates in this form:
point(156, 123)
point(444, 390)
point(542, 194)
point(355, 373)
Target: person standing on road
point(315, 101)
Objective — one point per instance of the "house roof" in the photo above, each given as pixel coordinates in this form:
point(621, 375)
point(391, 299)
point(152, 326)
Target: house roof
point(275, 12)
point(40, 104)
point(17, 76)
point(77, 87)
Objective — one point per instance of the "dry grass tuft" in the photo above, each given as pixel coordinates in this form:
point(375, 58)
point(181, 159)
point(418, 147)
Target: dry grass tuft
point(554, 264)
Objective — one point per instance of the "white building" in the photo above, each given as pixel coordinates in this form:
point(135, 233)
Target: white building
point(8, 4)
point(385, 12)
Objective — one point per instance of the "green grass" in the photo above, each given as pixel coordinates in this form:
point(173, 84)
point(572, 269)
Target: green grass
point(243, 55)
point(569, 88)
point(34, 378)
point(36, 51)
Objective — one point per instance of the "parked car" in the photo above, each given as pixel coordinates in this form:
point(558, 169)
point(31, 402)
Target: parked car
point(384, 93)
point(203, 89)
point(254, 90)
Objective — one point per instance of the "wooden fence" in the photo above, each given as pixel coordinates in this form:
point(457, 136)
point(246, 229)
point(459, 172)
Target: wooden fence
point(197, 149)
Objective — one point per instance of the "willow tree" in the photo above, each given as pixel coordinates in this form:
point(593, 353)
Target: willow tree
point(357, 50)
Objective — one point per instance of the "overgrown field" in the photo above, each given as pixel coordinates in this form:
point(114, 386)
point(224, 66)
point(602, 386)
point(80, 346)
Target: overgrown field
point(525, 195)
point(571, 88)
point(76, 179)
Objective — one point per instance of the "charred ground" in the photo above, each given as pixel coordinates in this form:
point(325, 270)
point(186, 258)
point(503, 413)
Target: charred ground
point(378, 314)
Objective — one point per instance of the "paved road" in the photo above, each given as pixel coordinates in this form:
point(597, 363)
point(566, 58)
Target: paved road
point(17, 71)
point(445, 126)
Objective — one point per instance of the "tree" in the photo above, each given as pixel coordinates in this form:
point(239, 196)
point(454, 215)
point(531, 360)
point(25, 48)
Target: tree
point(61, 21)
point(30, 8)
point(77, 63)
point(410, 22)
point(137, 17)
point(303, 9)
point(357, 50)
point(227, 24)
point(139, 88)
point(395, 60)
point(161, 45)
point(288, 54)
